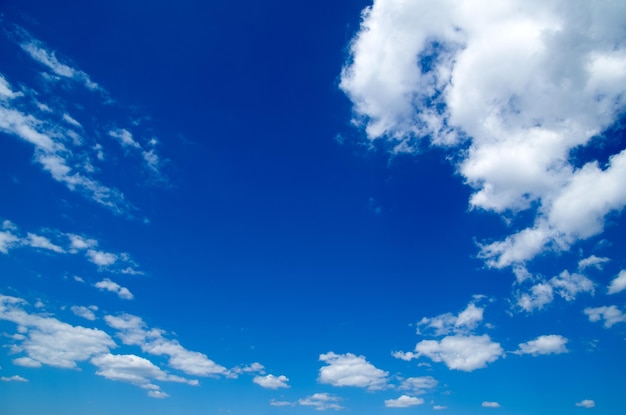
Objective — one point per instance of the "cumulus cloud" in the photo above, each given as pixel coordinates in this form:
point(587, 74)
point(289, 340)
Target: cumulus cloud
point(461, 352)
point(351, 370)
point(610, 314)
point(565, 285)
point(586, 403)
point(403, 401)
point(321, 402)
point(133, 331)
point(488, 404)
point(26, 362)
point(136, 370)
point(49, 341)
point(101, 258)
point(548, 344)
point(618, 284)
point(447, 323)
point(511, 89)
point(85, 312)
point(108, 285)
point(271, 381)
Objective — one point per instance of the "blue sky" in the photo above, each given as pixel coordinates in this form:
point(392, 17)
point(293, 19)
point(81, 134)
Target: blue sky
point(344, 207)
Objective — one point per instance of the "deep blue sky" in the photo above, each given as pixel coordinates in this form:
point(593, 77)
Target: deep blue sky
point(227, 182)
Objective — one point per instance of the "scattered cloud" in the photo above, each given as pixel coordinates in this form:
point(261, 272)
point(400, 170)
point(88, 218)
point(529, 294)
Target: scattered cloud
point(548, 344)
point(26, 362)
point(418, 385)
point(487, 404)
point(461, 352)
point(108, 285)
point(274, 402)
point(618, 284)
point(586, 403)
point(101, 258)
point(133, 331)
point(447, 323)
point(610, 314)
point(85, 312)
point(14, 378)
point(321, 402)
point(271, 381)
point(565, 285)
point(403, 401)
point(50, 341)
point(511, 92)
point(41, 242)
point(592, 261)
point(439, 407)
point(351, 370)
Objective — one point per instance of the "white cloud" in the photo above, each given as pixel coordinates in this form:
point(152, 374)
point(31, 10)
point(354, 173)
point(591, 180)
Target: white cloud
point(439, 407)
point(618, 284)
point(100, 258)
point(84, 312)
point(8, 241)
point(255, 367)
point(403, 401)
point(592, 261)
point(133, 331)
point(565, 285)
point(447, 323)
point(351, 370)
point(50, 341)
point(108, 285)
point(487, 404)
point(136, 370)
point(274, 402)
point(461, 352)
point(36, 241)
point(610, 314)
point(548, 344)
point(79, 243)
point(321, 402)
point(586, 403)
point(157, 394)
point(14, 378)
point(418, 385)
point(271, 381)
point(124, 137)
point(513, 88)
point(26, 362)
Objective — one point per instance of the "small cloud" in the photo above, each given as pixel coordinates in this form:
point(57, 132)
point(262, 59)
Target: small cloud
point(610, 314)
point(14, 378)
point(542, 345)
point(26, 362)
point(618, 284)
point(124, 137)
point(101, 258)
point(586, 403)
point(85, 312)
point(41, 242)
point(439, 407)
point(403, 401)
point(321, 402)
point(158, 394)
point(108, 285)
point(592, 261)
point(487, 404)
point(274, 402)
point(271, 381)
point(351, 370)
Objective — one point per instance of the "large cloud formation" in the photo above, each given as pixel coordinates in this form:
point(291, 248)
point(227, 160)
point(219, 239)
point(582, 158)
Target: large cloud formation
point(515, 87)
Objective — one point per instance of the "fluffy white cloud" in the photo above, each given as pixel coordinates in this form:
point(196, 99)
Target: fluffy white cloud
point(447, 323)
point(403, 401)
point(41, 242)
point(52, 342)
point(461, 352)
point(136, 370)
point(586, 403)
point(133, 331)
point(351, 370)
point(548, 344)
point(565, 285)
point(26, 362)
point(108, 285)
point(78, 243)
point(610, 314)
point(321, 402)
point(618, 284)
point(8, 241)
point(271, 381)
point(514, 87)
point(101, 258)
point(488, 404)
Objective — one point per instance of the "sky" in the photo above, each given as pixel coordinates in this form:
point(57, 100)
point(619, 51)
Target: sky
point(268, 208)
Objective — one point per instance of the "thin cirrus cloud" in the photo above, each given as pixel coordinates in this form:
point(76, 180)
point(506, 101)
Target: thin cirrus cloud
point(495, 87)
point(69, 150)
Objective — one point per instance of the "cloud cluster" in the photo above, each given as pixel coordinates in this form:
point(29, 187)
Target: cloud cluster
point(565, 285)
point(351, 370)
point(512, 90)
point(66, 148)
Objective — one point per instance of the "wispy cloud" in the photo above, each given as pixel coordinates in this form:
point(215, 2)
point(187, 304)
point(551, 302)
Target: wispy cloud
point(108, 285)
